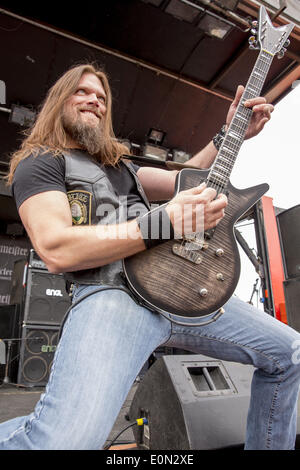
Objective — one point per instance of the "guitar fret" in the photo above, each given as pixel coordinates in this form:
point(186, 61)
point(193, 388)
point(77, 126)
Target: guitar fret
point(262, 70)
point(239, 127)
point(241, 117)
point(233, 143)
point(253, 89)
point(220, 172)
point(215, 179)
point(226, 161)
point(227, 152)
point(256, 82)
point(235, 131)
point(243, 113)
point(258, 75)
point(218, 180)
point(222, 169)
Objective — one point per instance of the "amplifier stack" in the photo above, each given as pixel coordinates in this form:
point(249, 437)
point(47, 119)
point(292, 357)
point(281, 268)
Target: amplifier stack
point(288, 223)
point(43, 300)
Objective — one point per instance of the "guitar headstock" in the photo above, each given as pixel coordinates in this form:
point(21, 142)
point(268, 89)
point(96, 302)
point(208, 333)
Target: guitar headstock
point(268, 38)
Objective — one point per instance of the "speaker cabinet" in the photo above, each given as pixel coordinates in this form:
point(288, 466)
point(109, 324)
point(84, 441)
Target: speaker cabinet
point(38, 345)
point(289, 233)
point(192, 402)
point(292, 302)
point(10, 331)
point(46, 299)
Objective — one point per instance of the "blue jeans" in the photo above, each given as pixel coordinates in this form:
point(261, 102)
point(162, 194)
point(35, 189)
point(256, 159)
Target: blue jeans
point(105, 342)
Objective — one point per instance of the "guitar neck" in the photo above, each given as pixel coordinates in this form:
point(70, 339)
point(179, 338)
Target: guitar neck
point(221, 169)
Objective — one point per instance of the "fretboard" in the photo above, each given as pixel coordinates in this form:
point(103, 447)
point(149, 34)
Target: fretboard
point(219, 174)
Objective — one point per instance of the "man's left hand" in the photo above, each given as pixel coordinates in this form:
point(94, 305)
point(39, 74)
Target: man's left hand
point(261, 112)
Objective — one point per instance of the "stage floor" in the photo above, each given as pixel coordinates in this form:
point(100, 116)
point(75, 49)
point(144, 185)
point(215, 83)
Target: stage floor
point(20, 401)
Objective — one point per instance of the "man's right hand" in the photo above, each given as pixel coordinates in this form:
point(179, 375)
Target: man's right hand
point(195, 210)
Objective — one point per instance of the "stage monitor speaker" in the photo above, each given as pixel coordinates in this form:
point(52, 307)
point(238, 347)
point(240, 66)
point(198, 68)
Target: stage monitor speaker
point(38, 345)
point(46, 299)
point(192, 402)
point(289, 234)
point(292, 302)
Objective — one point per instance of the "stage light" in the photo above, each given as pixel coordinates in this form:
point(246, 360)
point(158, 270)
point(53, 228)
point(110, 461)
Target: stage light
point(180, 156)
point(22, 115)
point(214, 26)
point(156, 136)
point(155, 151)
point(209, 22)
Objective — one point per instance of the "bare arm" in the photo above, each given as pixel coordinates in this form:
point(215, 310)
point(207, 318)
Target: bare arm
point(48, 222)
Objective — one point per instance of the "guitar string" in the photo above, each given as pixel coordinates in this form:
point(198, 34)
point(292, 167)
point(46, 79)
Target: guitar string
point(225, 161)
point(238, 125)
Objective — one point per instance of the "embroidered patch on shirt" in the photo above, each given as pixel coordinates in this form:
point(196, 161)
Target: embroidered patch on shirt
point(80, 205)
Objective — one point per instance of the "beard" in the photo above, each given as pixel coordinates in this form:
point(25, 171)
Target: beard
point(88, 137)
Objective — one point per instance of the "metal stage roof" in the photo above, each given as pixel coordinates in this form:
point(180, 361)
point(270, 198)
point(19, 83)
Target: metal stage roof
point(167, 67)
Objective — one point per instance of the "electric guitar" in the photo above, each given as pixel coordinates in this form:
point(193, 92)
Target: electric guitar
point(194, 277)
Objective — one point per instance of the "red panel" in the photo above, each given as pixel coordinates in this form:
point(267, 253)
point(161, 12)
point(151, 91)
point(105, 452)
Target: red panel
point(275, 258)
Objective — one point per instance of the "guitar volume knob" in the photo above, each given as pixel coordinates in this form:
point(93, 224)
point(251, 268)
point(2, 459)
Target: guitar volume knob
point(203, 292)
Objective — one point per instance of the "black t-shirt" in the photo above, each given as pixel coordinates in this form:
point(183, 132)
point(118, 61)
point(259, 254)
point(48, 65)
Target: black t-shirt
point(45, 172)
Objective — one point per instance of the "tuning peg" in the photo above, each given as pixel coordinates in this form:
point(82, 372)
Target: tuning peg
point(252, 42)
point(254, 25)
point(281, 53)
point(287, 43)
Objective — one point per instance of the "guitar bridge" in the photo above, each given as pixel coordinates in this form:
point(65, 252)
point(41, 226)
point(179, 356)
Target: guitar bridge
point(189, 249)
point(181, 251)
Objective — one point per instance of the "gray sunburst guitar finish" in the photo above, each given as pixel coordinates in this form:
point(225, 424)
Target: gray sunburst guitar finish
point(171, 277)
point(168, 282)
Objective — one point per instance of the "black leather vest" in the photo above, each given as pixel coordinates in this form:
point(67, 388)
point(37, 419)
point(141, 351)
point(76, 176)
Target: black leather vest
point(93, 201)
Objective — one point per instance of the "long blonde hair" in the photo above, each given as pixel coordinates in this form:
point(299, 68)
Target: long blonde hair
point(48, 134)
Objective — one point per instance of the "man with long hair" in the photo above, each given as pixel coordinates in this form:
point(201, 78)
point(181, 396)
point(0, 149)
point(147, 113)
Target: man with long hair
point(82, 206)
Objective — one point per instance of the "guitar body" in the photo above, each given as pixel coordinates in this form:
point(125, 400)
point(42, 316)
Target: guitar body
point(166, 282)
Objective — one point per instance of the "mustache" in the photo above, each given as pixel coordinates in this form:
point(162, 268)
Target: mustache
point(91, 109)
